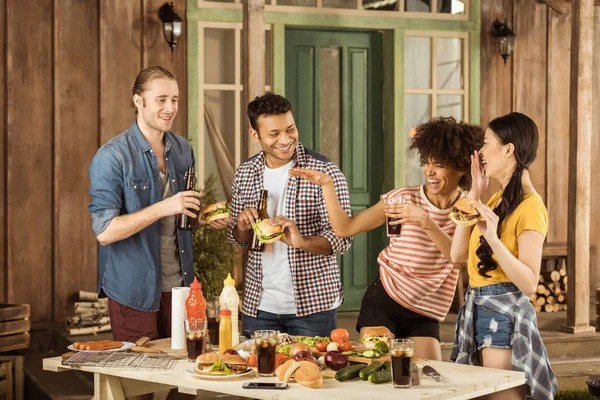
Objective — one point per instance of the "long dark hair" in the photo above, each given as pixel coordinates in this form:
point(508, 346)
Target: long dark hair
point(522, 132)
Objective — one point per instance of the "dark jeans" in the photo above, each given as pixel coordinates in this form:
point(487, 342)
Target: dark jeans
point(317, 324)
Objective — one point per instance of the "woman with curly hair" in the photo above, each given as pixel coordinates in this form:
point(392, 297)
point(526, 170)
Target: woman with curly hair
point(497, 325)
point(416, 282)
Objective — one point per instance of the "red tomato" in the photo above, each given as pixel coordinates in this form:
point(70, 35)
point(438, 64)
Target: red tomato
point(340, 335)
point(321, 346)
point(345, 346)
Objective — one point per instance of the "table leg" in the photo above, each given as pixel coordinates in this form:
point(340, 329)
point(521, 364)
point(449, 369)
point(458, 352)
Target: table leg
point(19, 377)
point(107, 388)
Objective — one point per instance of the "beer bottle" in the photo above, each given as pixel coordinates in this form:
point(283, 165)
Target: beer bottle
point(255, 244)
point(185, 222)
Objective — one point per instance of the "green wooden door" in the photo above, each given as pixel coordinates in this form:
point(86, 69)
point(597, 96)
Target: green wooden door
point(334, 81)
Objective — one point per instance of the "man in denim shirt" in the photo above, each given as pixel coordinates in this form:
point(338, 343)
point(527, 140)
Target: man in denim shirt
point(137, 183)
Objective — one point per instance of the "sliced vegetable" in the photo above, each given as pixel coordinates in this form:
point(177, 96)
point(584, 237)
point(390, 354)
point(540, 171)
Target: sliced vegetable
point(345, 346)
point(311, 340)
point(349, 372)
point(369, 354)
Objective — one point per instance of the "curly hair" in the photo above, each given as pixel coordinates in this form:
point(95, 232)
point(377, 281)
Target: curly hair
point(449, 143)
point(267, 104)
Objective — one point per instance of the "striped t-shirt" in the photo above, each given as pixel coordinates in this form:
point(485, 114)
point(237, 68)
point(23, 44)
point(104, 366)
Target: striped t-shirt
point(413, 271)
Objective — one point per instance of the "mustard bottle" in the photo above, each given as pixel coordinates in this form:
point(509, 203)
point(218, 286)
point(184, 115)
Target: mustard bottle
point(224, 330)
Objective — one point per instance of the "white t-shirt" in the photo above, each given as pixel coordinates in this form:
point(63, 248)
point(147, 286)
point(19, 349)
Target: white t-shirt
point(277, 296)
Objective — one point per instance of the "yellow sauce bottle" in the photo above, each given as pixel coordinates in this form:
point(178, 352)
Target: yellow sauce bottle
point(224, 330)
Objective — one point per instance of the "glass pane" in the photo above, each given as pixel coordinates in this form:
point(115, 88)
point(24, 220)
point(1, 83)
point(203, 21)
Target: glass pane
point(300, 3)
point(218, 123)
point(417, 63)
point(417, 5)
point(269, 58)
point(381, 5)
point(339, 4)
point(417, 109)
point(449, 64)
point(450, 105)
point(219, 57)
point(451, 6)
point(330, 103)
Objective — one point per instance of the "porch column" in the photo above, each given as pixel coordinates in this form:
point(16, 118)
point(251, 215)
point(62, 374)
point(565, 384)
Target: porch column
point(254, 40)
point(580, 140)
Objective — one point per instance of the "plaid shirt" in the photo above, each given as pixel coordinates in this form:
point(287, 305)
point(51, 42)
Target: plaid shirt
point(528, 351)
point(316, 278)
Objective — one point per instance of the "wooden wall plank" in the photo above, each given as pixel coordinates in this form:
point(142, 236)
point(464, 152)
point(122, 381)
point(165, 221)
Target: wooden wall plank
point(120, 62)
point(496, 77)
point(29, 149)
point(157, 52)
point(76, 140)
point(557, 191)
point(595, 191)
point(529, 77)
point(3, 166)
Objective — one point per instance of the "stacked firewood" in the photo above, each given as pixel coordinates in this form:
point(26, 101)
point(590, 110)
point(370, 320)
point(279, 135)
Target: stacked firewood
point(551, 293)
point(90, 315)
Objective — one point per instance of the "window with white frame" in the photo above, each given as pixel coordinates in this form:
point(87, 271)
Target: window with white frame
point(435, 84)
point(442, 8)
point(221, 97)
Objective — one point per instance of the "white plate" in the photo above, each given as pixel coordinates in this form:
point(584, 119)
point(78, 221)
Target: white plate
point(218, 377)
point(126, 346)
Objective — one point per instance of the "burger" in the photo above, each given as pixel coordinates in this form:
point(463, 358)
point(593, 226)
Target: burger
point(214, 212)
point(267, 233)
point(371, 335)
point(220, 364)
point(463, 212)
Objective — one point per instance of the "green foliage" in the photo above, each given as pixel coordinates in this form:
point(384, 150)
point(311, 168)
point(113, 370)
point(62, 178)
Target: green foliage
point(213, 254)
point(572, 395)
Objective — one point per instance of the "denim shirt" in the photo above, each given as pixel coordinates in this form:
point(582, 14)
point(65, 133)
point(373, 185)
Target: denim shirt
point(124, 179)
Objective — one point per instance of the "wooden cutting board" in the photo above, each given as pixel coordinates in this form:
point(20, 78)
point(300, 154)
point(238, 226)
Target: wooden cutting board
point(355, 359)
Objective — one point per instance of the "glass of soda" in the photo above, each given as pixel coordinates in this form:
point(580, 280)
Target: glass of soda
point(265, 342)
point(393, 230)
point(401, 351)
point(195, 337)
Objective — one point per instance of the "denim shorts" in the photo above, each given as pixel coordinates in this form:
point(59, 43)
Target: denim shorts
point(493, 329)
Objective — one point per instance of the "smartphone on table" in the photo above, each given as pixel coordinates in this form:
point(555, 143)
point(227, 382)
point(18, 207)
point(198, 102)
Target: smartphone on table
point(265, 385)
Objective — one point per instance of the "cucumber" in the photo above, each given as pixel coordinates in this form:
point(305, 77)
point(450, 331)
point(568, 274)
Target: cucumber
point(380, 376)
point(387, 366)
point(366, 371)
point(368, 354)
point(349, 372)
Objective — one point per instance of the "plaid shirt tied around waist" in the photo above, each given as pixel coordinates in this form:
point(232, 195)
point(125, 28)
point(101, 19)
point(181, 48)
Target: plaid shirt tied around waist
point(528, 350)
point(316, 278)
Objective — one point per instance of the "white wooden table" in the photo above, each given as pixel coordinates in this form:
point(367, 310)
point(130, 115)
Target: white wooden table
point(459, 382)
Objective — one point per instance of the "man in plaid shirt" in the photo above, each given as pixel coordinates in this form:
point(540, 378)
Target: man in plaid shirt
point(293, 286)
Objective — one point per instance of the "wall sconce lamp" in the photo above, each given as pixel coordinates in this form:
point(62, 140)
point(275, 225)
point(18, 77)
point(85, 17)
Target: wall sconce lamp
point(506, 38)
point(171, 24)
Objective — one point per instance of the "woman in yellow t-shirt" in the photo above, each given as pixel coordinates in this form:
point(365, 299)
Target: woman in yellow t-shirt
point(497, 325)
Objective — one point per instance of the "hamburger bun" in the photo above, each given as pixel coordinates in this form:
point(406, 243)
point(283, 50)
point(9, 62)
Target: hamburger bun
point(376, 331)
point(267, 230)
point(234, 362)
point(309, 376)
point(463, 213)
point(465, 204)
point(218, 210)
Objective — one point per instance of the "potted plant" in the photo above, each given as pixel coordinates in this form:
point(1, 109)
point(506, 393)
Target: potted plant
point(213, 259)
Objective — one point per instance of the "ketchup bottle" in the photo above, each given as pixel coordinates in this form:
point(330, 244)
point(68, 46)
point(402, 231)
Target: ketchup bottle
point(195, 305)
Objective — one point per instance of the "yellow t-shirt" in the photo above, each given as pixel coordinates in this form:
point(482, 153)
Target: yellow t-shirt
point(531, 215)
